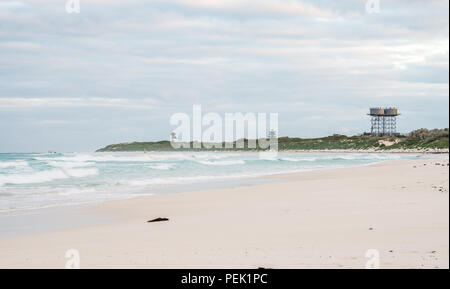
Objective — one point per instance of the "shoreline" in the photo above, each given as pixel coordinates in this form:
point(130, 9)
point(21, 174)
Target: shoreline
point(349, 151)
point(50, 216)
point(220, 182)
point(393, 151)
point(319, 219)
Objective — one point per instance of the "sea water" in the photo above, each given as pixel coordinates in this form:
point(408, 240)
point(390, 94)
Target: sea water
point(32, 181)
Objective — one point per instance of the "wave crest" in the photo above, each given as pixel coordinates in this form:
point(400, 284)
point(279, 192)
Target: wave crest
point(223, 163)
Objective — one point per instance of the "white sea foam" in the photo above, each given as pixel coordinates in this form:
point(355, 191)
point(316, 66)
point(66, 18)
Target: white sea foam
point(163, 167)
point(76, 191)
point(181, 180)
point(344, 157)
point(223, 163)
point(80, 173)
point(135, 157)
point(13, 164)
point(46, 176)
point(69, 164)
point(30, 180)
point(165, 181)
point(292, 160)
point(36, 177)
point(351, 157)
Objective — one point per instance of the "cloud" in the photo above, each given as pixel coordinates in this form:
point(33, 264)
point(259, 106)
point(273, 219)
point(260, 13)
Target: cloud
point(11, 5)
point(20, 45)
point(139, 60)
point(20, 102)
point(265, 8)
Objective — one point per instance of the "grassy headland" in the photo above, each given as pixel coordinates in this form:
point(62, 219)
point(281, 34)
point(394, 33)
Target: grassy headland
point(421, 139)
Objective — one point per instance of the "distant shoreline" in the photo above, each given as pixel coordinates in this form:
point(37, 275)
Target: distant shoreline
point(349, 151)
point(418, 141)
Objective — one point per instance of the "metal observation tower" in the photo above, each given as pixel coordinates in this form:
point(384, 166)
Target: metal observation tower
point(383, 121)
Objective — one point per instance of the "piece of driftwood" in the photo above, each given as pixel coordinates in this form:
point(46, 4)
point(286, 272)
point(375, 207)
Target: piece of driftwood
point(158, 220)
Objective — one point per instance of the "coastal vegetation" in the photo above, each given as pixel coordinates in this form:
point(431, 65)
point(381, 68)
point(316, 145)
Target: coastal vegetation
point(421, 139)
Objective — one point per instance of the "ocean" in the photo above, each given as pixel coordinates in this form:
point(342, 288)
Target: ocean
point(35, 180)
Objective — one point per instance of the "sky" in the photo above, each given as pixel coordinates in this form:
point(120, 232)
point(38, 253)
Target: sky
point(118, 70)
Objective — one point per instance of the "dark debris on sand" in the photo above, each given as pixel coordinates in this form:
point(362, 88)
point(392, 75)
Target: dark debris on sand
point(158, 220)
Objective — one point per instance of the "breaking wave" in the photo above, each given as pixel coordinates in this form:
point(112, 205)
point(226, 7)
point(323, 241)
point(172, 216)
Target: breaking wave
point(222, 163)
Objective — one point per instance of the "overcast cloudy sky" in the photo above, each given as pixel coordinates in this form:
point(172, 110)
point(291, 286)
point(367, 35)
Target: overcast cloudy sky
point(117, 71)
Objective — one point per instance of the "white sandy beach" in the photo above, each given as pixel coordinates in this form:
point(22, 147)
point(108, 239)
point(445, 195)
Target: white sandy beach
point(321, 219)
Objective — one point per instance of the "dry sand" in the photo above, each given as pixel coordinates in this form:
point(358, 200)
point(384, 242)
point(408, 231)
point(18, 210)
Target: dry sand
point(322, 219)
